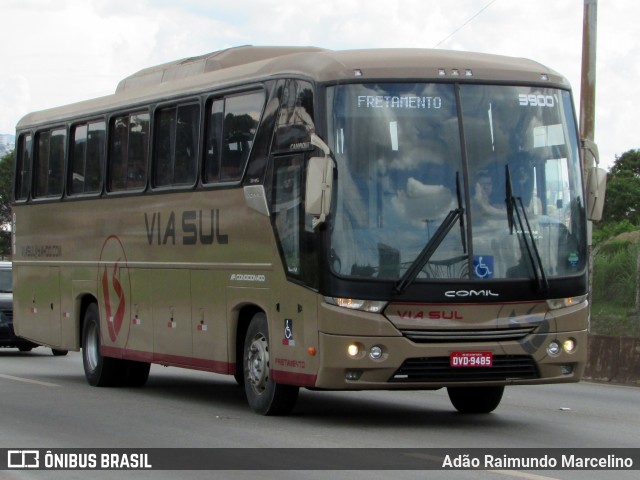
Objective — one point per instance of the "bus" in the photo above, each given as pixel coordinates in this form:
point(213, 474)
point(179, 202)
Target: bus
point(300, 217)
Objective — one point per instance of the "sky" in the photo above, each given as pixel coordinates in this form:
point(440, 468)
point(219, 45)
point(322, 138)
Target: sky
point(56, 52)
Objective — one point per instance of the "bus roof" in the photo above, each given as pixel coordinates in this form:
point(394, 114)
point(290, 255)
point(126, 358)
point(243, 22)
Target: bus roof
point(247, 64)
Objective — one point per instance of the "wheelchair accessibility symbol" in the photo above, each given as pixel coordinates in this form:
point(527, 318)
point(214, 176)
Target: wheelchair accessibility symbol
point(288, 333)
point(483, 266)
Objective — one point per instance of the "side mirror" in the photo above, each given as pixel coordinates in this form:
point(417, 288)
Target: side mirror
point(596, 182)
point(319, 183)
point(596, 187)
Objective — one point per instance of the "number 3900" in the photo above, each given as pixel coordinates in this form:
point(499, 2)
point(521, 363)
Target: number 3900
point(536, 100)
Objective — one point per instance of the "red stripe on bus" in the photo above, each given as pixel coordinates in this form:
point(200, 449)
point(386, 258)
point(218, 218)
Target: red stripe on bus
point(215, 366)
point(290, 378)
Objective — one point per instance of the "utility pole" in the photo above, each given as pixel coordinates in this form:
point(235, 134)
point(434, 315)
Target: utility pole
point(588, 105)
point(588, 78)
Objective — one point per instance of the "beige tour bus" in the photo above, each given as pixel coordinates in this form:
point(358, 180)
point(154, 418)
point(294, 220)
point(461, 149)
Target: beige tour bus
point(301, 217)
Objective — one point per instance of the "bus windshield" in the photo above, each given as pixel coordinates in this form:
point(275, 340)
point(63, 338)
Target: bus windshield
point(497, 165)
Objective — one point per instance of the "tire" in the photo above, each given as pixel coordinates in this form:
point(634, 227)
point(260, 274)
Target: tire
point(25, 349)
point(135, 373)
point(100, 371)
point(59, 353)
point(239, 376)
point(263, 395)
point(475, 399)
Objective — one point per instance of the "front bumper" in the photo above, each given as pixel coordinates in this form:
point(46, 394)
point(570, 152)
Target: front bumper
point(405, 364)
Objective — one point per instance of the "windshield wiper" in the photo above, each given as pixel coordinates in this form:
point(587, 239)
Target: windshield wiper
point(434, 242)
point(463, 237)
point(428, 250)
point(515, 204)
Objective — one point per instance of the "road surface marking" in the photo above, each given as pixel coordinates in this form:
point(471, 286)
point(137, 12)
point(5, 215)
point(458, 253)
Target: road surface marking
point(27, 380)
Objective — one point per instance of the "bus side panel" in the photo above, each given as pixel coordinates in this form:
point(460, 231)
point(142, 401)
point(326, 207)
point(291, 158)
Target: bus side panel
point(139, 345)
point(293, 327)
point(37, 304)
point(209, 322)
point(171, 314)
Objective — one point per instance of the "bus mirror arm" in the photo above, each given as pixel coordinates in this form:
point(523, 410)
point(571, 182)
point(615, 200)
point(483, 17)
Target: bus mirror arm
point(596, 182)
point(316, 141)
point(319, 183)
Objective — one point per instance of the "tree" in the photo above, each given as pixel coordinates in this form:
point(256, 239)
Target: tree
point(627, 163)
point(622, 201)
point(6, 185)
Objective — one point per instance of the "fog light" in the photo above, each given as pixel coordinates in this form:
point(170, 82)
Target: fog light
point(353, 374)
point(353, 350)
point(553, 349)
point(569, 345)
point(566, 369)
point(376, 352)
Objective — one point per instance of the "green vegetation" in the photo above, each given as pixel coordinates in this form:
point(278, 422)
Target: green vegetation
point(616, 248)
point(6, 181)
point(615, 274)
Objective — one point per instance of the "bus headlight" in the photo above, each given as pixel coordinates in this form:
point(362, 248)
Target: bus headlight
point(376, 352)
point(569, 345)
point(353, 350)
point(371, 306)
point(557, 303)
point(553, 348)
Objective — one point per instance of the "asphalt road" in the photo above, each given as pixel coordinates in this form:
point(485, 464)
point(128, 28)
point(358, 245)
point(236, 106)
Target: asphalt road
point(45, 402)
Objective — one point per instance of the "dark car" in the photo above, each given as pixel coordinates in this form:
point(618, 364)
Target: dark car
point(8, 338)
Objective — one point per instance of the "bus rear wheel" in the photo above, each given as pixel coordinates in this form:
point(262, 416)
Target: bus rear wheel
point(100, 371)
point(265, 396)
point(475, 399)
point(105, 371)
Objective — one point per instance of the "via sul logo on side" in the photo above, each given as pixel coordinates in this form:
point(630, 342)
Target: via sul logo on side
point(114, 285)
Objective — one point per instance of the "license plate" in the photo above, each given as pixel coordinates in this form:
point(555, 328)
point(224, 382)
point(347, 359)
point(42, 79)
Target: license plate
point(471, 359)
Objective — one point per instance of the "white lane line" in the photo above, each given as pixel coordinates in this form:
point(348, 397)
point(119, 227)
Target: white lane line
point(27, 380)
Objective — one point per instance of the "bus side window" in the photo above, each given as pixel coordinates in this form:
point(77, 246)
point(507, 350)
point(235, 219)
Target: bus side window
point(295, 118)
point(232, 127)
point(287, 198)
point(50, 154)
point(165, 140)
point(176, 145)
point(87, 155)
point(241, 118)
point(128, 152)
point(187, 135)
point(214, 136)
point(23, 167)
point(95, 156)
point(78, 159)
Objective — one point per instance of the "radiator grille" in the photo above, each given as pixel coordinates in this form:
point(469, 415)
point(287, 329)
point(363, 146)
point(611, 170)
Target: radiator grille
point(496, 335)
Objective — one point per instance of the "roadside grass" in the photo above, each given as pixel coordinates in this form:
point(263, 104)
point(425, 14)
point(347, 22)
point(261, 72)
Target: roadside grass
point(613, 300)
point(614, 320)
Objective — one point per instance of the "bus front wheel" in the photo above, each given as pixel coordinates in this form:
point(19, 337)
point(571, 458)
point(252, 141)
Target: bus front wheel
point(475, 399)
point(264, 395)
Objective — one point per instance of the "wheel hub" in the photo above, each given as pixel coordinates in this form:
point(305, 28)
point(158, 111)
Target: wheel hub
point(258, 363)
point(92, 348)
